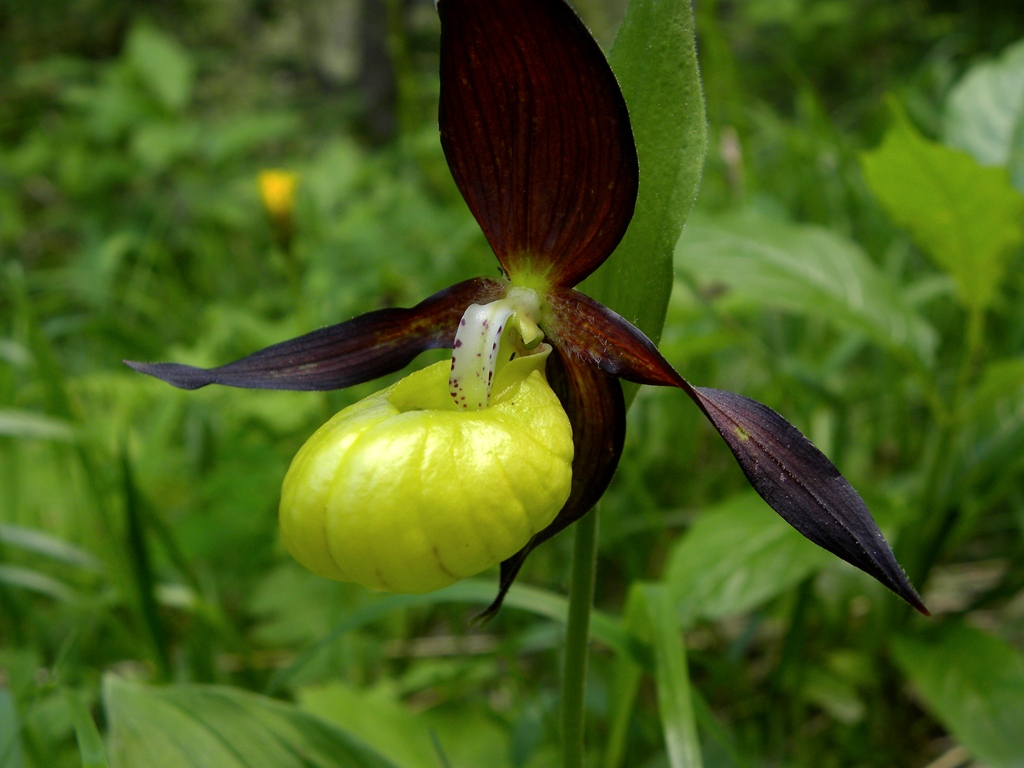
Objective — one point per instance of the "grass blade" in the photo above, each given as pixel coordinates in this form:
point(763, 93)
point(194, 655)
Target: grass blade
point(672, 678)
point(10, 744)
point(90, 743)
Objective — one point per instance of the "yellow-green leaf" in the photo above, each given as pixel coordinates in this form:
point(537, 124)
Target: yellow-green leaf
point(965, 217)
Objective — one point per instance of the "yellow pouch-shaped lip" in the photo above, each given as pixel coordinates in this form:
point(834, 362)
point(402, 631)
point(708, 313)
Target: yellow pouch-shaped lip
point(406, 493)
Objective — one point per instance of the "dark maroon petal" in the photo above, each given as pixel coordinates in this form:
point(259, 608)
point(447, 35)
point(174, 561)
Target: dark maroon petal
point(593, 401)
point(803, 486)
point(589, 331)
point(338, 356)
point(536, 134)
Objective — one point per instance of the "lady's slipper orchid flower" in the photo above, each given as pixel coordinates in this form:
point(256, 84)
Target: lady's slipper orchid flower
point(538, 139)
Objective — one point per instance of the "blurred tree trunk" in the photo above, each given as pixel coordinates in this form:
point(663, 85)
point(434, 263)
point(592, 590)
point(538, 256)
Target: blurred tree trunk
point(377, 79)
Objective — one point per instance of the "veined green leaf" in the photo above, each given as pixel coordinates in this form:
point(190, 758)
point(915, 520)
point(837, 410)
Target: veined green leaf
point(965, 217)
point(974, 683)
point(804, 269)
point(655, 61)
point(984, 113)
point(191, 726)
point(736, 556)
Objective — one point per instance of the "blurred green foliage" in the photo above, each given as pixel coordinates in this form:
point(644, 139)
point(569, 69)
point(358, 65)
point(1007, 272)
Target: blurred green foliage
point(881, 312)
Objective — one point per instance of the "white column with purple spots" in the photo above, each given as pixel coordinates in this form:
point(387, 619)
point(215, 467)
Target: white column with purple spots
point(479, 347)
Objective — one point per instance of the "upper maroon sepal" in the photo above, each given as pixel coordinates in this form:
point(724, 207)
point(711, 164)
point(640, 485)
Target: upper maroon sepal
point(338, 356)
point(536, 134)
point(803, 486)
point(597, 412)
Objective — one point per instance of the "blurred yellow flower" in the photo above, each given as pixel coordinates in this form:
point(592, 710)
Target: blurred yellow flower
point(277, 191)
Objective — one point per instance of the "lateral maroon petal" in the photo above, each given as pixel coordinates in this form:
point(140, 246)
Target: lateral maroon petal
point(358, 350)
point(800, 483)
point(796, 479)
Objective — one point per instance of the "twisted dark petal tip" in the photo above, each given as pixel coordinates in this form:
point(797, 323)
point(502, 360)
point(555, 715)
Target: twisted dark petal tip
point(485, 616)
point(509, 571)
point(175, 374)
point(803, 486)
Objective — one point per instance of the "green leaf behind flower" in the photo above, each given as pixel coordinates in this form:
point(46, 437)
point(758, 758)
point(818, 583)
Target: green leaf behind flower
point(655, 61)
point(736, 556)
point(804, 269)
point(965, 217)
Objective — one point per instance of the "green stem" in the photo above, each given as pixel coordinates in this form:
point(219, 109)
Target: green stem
point(939, 514)
point(577, 635)
point(974, 344)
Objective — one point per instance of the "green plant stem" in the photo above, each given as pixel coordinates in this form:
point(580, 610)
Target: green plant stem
point(974, 345)
point(940, 517)
point(577, 635)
